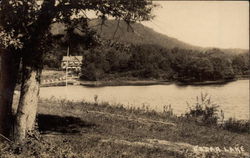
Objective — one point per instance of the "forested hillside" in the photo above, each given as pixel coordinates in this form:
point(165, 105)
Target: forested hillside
point(141, 53)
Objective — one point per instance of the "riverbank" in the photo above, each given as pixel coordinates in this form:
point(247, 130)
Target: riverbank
point(79, 129)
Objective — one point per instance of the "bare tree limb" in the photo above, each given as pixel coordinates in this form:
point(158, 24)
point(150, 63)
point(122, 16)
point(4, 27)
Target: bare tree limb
point(116, 29)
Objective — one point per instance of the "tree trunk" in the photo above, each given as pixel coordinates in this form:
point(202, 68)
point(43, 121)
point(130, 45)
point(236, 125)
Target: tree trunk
point(9, 66)
point(31, 71)
point(27, 108)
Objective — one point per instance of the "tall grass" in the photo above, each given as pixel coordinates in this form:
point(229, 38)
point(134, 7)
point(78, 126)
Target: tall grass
point(168, 110)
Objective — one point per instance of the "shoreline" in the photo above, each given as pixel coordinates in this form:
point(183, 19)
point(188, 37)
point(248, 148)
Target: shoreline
point(217, 82)
point(138, 83)
point(134, 83)
point(152, 82)
point(50, 80)
point(124, 83)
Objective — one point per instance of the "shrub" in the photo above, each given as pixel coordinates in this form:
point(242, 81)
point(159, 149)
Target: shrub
point(204, 111)
point(239, 126)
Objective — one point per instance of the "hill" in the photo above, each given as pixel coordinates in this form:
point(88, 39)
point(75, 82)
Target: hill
point(137, 34)
point(140, 34)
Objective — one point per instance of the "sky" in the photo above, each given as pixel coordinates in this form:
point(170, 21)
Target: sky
point(222, 24)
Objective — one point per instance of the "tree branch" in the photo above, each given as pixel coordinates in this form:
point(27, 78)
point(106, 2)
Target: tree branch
point(116, 29)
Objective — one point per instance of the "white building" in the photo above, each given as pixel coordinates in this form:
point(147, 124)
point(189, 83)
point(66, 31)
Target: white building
point(74, 63)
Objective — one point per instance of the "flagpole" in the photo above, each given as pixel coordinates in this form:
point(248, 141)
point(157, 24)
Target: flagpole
point(67, 66)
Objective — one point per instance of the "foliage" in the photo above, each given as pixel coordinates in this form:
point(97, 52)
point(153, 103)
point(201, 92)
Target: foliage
point(204, 111)
point(240, 64)
point(22, 20)
point(239, 126)
point(155, 62)
point(168, 110)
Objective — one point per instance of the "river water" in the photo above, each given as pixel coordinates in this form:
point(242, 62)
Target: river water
point(232, 97)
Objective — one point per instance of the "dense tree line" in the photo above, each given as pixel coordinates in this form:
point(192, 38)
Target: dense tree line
point(155, 62)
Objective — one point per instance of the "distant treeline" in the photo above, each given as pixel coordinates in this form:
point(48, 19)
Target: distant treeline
point(115, 60)
point(155, 62)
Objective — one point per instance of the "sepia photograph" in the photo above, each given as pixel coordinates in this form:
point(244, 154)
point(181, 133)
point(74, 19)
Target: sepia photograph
point(124, 79)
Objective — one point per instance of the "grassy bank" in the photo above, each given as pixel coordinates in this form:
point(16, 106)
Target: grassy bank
point(76, 130)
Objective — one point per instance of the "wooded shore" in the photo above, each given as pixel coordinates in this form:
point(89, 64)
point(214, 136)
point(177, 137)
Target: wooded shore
point(135, 83)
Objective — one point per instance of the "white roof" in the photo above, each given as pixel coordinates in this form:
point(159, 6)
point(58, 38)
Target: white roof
point(72, 58)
